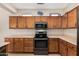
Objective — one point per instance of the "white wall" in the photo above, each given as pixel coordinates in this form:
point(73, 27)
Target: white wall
point(71, 33)
point(4, 16)
point(45, 11)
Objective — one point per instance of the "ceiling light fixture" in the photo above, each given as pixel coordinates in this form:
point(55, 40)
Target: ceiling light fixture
point(40, 3)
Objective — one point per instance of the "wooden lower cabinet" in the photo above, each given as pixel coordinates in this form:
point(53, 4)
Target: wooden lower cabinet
point(18, 45)
point(72, 49)
point(66, 48)
point(9, 47)
point(62, 47)
point(53, 45)
point(28, 45)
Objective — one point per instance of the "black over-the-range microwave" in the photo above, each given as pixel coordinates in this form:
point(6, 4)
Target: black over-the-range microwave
point(40, 25)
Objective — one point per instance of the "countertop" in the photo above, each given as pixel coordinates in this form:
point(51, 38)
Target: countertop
point(66, 38)
point(3, 44)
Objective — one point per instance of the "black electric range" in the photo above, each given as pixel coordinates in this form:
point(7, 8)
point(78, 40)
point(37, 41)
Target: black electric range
point(41, 43)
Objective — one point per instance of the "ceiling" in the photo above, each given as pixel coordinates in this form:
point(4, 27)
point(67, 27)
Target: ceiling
point(33, 8)
point(39, 6)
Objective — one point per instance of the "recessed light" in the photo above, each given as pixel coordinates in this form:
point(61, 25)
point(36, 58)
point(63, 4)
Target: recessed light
point(40, 3)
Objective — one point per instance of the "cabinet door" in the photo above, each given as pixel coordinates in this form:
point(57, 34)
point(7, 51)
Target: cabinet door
point(44, 19)
point(71, 52)
point(13, 22)
point(63, 51)
point(28, 45)
point(30, 22)
point(57, 22)
point(50, 21)
point(18, 45)
point(64, 21)
point(72, 49)
point(53, 45)
point(37, 19)
point(9, 47)
point(72, 18)
point(21, 22)
point(54, 22)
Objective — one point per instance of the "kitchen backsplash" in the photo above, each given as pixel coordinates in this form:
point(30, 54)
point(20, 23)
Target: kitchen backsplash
point(31, 32)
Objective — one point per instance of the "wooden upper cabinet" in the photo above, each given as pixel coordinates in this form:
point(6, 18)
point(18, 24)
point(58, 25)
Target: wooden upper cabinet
point(13, 22)
point(30, 22)
point(54, 22)
point(49, 21)
point(21, 22)
point(65, 21)
point(40, 18)
point(37, 18)
point(43, 18)
point(72, 18)
point(57, 21)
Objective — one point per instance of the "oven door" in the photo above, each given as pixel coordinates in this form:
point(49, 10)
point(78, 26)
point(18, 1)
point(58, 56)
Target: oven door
point(41, 43)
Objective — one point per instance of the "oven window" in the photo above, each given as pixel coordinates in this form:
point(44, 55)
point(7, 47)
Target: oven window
point(41, 43)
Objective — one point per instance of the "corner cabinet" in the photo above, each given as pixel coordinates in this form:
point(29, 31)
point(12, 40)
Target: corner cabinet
point(67, 49)
point(72, 49)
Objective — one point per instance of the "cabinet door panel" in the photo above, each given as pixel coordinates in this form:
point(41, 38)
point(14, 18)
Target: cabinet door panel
point(71, 52)
point(44, 19)
point(50, 21)
point(9, 47)
point(54, 22)
point(72, 49)
point(53, 45)
point(57, 22)
point(28, 45)
point(21, 22)
point(30, 22)
point(18, 45)
point(63, 51)
point(65, 21)
point(37, 19)
point(13, 22)
point(72, 18)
